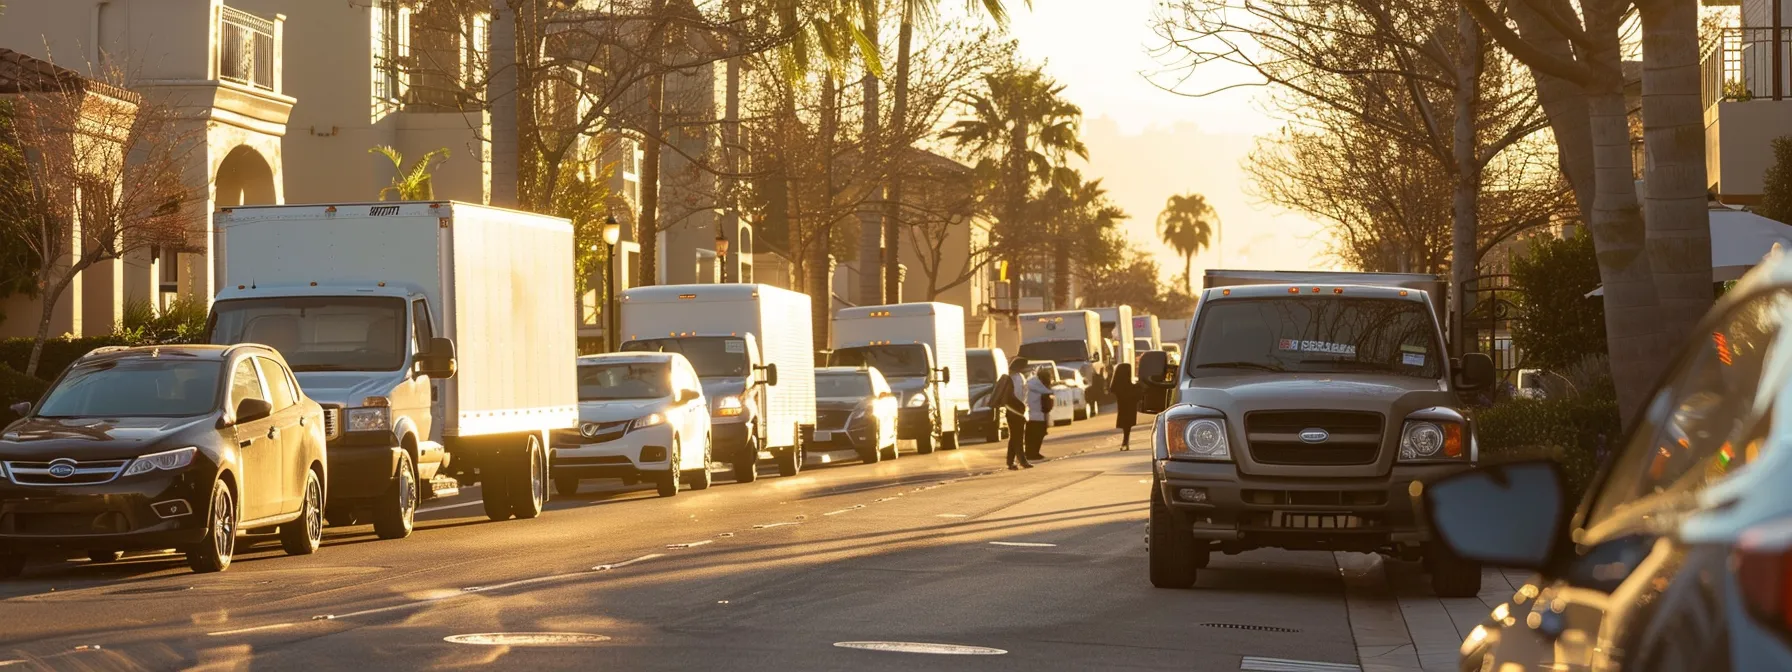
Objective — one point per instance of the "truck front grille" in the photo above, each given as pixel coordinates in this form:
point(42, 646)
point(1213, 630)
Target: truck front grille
point(1352, 437)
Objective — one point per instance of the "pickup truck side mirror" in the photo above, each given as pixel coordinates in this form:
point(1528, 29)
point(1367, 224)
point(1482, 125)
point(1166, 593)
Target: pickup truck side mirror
point(21, 409)
point(438, 360)
point(1475, 371)
point(945, 374)
point(1157, 378)
point(771, 374)
point(250, 410)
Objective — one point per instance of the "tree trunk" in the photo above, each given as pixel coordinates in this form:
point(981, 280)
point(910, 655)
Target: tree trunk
point(1564, 103)
point(1188, 269)
point(1632, 315)
point(1675, 208)
point(729, 222)
point(649, 225)
point(531, 193)
point(867, 290)
point(893, 196)
point(1061, 274)
point(821, 291)
point(1467, 188)
point(52, 293)
point(502, 92)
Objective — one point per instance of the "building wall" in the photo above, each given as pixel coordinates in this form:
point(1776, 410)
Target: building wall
point(1738, 144)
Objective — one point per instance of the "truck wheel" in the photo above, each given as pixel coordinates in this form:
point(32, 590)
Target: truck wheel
point(949, 441)
point(925, 443)
point(790, 461)
point(700, 478)
point(746, 464)
point(529, 483)
point(1171, 547)
point(395, 514)
point(566, 486)
point(11, 565)
point(1452, 576)
point(494, 479)
point(1081, 413)
point(303, 536)
point(212, 553)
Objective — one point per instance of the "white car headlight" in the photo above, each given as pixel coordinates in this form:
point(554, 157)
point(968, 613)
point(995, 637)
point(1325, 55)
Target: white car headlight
point(1429, 440)
point(588, 429)
point(648, 420)
point(729, 406)
point(369, 419)
point(918, 400)
point(168, 460)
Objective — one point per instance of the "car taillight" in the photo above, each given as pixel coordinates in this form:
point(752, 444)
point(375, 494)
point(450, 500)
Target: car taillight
point(1763, 564)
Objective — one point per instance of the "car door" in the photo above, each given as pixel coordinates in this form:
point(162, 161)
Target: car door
point(258, 446)
point(289, 423)
point(422, 400)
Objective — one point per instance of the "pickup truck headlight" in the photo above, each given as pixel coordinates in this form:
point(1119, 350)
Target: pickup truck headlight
point(1191, 434)
point(729, 406)
point(646, 421)
point(369, 419)
point(168, 460)
point(1422, 440)
point(918, 400)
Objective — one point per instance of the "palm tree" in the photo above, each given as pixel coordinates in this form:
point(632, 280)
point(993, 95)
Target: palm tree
point(1186, 225)
point(413, 184)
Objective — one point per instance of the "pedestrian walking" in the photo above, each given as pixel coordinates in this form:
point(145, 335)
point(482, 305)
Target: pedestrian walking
point(1011, 397)
point(1126, 403)
point(1041, 399)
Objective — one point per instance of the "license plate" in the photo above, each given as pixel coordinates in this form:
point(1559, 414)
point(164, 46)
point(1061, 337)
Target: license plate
point(824, 436)
point(1316, 521)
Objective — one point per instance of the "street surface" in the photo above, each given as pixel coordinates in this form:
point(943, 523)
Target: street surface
point(1037, 569)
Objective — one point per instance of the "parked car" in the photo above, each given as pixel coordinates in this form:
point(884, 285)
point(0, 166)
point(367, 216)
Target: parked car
point(1680, 557)
point(182, 447)
point(854, 410)
point(642, 417)
point(986, 366)
point(1066, 398)
point(1082, 399)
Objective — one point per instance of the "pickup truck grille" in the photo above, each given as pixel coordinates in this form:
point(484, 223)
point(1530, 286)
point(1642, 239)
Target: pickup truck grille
point(332, 422)
point(1274, 437)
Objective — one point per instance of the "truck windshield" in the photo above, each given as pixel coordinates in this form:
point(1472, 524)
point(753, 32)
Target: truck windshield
point(1316, 335)
point(843, 385)
point(135, 388)
point(318, 333)
point(711, 356)
point(1057, 351)
point(603, 382)
point(894, 361)
point(982, 370)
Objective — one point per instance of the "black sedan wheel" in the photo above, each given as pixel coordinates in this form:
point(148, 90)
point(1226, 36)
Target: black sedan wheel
point(213, 553)
point(303, 536)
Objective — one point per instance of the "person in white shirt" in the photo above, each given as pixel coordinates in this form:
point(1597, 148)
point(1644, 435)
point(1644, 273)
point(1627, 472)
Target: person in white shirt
point(1011, 397)
point(1039, 398)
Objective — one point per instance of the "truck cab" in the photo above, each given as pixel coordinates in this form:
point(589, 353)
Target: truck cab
point(1307, 417)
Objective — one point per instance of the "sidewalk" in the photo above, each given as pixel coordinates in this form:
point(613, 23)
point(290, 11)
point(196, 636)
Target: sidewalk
point(1400, 626)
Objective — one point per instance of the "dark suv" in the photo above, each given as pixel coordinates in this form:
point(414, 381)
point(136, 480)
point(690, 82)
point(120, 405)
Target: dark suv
point(163, 447)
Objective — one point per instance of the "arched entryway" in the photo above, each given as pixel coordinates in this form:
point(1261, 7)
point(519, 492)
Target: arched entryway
point(245, 178)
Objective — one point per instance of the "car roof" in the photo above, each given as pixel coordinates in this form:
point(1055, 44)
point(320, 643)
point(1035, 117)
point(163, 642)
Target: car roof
point(203, 352)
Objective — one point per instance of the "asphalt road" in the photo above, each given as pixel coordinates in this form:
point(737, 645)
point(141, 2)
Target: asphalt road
point(1045, 566)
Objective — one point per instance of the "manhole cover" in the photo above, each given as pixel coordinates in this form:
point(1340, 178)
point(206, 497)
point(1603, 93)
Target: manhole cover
point(922, 647)
point(1247, 626)
point(527, 639)
point(150, 591)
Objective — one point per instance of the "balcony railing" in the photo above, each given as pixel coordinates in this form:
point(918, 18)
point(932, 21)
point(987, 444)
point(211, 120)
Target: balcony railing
point(246, 52)
point(1748, 63)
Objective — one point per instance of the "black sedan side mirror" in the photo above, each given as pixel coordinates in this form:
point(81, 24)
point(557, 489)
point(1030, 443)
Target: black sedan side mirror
point(250, 410)
point(1509, 515)
point(21, 409)
point(1475, 371)
point(438, 361)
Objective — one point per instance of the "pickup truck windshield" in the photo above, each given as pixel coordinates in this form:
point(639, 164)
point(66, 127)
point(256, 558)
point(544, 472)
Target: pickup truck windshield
point(711, 356)
point(135, 388)
point(1316, 335)
point(894, 361)
point(1057, 351)
point(604, 382)
point(318, 333)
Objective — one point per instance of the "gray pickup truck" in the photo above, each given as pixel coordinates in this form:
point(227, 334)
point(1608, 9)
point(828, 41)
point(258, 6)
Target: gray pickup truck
point(1306, 413)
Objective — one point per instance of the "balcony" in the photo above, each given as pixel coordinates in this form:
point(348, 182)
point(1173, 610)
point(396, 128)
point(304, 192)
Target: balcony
point(247, 48)
point(1747, 95)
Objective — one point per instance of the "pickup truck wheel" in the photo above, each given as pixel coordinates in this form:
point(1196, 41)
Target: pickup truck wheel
point(212, 553)
point(891, 452)
point(1452, 576)
point(669, 481)
point(11, 565)
point(925, 443)
point(746, 464)
point(566, 486)
point(395, 514)
point(303, 535)
point(529, 481)
point(1171, 547)
point(699, 477)
point(790, 461)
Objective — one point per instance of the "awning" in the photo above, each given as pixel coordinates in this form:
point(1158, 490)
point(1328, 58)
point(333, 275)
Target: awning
point(1739, 239)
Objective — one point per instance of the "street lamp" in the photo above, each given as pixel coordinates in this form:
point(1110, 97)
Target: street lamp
point(612, 234)
point(722, 255)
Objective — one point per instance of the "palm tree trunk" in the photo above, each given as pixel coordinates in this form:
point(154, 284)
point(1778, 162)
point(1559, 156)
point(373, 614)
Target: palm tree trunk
point(1467, 187)
point(1061, 274)
point(1675, 210)
point(893, 196)
point(867, 290)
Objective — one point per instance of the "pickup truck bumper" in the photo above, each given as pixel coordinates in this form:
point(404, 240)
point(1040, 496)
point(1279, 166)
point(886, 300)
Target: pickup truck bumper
point(362, 465)
point(1239, 511)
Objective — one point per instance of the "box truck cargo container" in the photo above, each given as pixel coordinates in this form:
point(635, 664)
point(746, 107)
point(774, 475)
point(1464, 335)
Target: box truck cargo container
point(1069, 337)
point(919, 348)
point(753, 348)
point(1146, 334)
point(438, 336)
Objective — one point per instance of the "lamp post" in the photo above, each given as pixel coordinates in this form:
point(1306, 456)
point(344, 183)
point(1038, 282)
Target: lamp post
point(722, 255)
point(612, 234)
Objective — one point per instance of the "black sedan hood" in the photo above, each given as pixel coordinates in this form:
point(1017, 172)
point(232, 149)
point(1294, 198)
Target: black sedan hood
point(92, 438)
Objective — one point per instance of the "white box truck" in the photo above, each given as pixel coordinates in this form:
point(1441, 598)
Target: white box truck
point(1116, 328)
point(1069, 337)
point(1146, 335)
point(438, 337)
point(754, 349)
point(919, 348)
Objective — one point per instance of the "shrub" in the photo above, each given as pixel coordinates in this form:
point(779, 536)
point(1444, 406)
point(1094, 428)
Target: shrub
point(1776, 188)
point(183, 321)
point(1558, 324)
point(58, 352)
point(1572, 431)
point(14, 388)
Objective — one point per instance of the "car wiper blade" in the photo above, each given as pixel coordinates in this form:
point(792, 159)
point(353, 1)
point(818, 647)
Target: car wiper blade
point(1241, 365)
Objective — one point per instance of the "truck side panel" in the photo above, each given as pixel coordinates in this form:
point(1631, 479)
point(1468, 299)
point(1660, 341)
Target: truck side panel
point(950, 351)
point(786, 339)
point(349, 247)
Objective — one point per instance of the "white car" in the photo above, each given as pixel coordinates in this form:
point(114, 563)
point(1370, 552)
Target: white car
point(1082, 401)
point(642, 417)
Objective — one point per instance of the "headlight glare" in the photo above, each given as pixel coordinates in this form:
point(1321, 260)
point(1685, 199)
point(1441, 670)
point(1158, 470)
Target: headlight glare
point(369, 419)
point(168, 460)
point(648, 420)
point(729, 406)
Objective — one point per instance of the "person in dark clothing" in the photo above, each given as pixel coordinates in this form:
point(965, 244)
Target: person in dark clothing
point(1126, 403)
point(1010, 395)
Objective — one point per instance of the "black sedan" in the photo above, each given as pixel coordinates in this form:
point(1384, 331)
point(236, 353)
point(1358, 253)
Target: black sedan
point(854, 410)
point(1680, 558)
point(179, 447)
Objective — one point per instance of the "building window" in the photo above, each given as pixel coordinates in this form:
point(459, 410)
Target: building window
point(391, 50)
point(442, 51)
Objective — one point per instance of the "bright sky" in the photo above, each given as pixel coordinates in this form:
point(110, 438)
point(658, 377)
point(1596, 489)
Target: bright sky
point(1147, 143)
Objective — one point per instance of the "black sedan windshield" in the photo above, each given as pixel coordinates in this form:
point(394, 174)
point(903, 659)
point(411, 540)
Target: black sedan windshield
point(1316, 335)
point(602, 382)
point(894, 361)
point(843, 385)
point(135, 388)
point(318, 333)
point(711, 356)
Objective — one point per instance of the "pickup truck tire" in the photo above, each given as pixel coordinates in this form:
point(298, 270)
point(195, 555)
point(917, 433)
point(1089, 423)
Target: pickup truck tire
point(699, 478)
point(304, 535)
point(995, 433)
point(1171, 547)
point(1452, 576)
point(871, 454)
point(494, 480)
point(746, 464)
point(529, 481)
point(891, 452)
point(790, 461)
point(395, 512)
point(566, 486)
point(925, 443)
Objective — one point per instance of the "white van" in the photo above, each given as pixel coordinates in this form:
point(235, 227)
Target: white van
point(753, 348)
point(919, 348)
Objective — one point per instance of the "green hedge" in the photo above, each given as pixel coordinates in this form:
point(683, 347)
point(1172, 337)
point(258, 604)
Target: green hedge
point(14, 388)
point(1569, 431)
point(58, 352)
